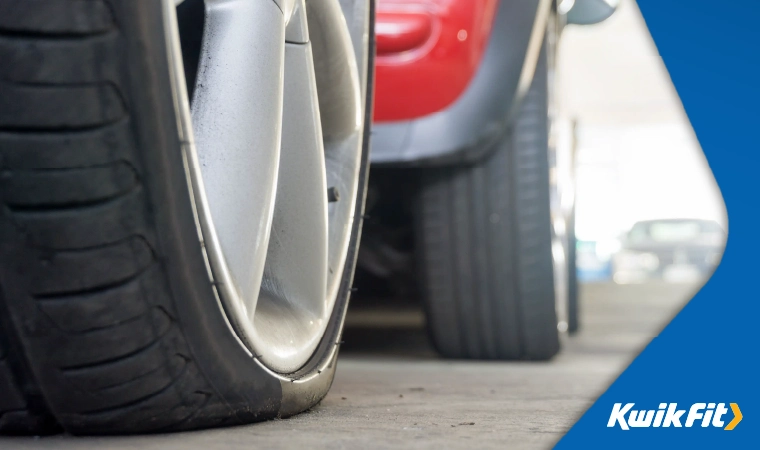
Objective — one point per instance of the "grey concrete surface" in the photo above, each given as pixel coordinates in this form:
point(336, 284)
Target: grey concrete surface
point(391, 391)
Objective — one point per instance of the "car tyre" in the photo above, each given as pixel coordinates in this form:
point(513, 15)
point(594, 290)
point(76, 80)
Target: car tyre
point(110, 322)
point(484, 237)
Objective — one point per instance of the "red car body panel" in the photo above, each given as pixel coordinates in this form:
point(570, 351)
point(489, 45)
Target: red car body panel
point(427, 53)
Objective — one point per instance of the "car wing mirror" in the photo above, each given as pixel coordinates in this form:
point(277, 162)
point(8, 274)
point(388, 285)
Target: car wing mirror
point(587, 12)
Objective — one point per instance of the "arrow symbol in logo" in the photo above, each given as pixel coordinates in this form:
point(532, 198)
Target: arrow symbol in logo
point(737, 417)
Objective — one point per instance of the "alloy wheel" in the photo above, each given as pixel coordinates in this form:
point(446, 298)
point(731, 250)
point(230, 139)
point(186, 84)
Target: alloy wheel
point(272, 126)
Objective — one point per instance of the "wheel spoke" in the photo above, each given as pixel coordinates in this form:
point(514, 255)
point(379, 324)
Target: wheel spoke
point(340, 103)
point(335, 66)
point(292, 302)
point(236, 112)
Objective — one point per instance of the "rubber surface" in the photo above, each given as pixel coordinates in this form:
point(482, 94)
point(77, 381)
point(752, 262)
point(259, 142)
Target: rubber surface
point(484, 233)
point(109, 321)
point(85, 284)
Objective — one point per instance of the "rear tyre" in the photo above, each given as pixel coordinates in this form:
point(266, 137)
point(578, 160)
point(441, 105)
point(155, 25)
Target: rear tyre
point(111, 322)
point(484, 233)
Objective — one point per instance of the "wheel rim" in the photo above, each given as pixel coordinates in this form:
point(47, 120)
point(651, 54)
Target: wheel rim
point(275, 120)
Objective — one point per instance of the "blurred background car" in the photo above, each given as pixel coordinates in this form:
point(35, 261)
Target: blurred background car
point(471, 194)
point(679, 250)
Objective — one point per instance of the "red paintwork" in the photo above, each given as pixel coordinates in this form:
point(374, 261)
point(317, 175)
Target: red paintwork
point(401, 32)
point(427, 53)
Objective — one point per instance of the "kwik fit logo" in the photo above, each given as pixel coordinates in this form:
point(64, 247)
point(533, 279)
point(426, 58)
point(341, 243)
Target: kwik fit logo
point(668, 415)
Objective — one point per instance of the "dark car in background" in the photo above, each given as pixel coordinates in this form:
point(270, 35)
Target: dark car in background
point(675, 250)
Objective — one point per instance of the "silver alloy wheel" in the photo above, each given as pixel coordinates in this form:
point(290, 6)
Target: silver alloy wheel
point(275, 123)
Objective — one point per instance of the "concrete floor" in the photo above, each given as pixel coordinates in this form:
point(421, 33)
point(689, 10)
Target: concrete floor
point(392, 391)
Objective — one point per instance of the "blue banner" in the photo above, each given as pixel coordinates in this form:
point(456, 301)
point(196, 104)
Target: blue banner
point(696, 385)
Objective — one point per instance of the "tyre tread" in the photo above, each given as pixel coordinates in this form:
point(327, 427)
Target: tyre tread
point(89, 302)
point(485, 237)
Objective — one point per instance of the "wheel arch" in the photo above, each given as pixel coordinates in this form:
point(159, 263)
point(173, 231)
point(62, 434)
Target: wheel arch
point(481, 114)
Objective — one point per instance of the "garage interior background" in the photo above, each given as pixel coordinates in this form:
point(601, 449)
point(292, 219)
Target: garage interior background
point(637, 155)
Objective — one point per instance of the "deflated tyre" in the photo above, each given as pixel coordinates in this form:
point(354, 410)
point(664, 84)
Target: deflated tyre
point(182, 188)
